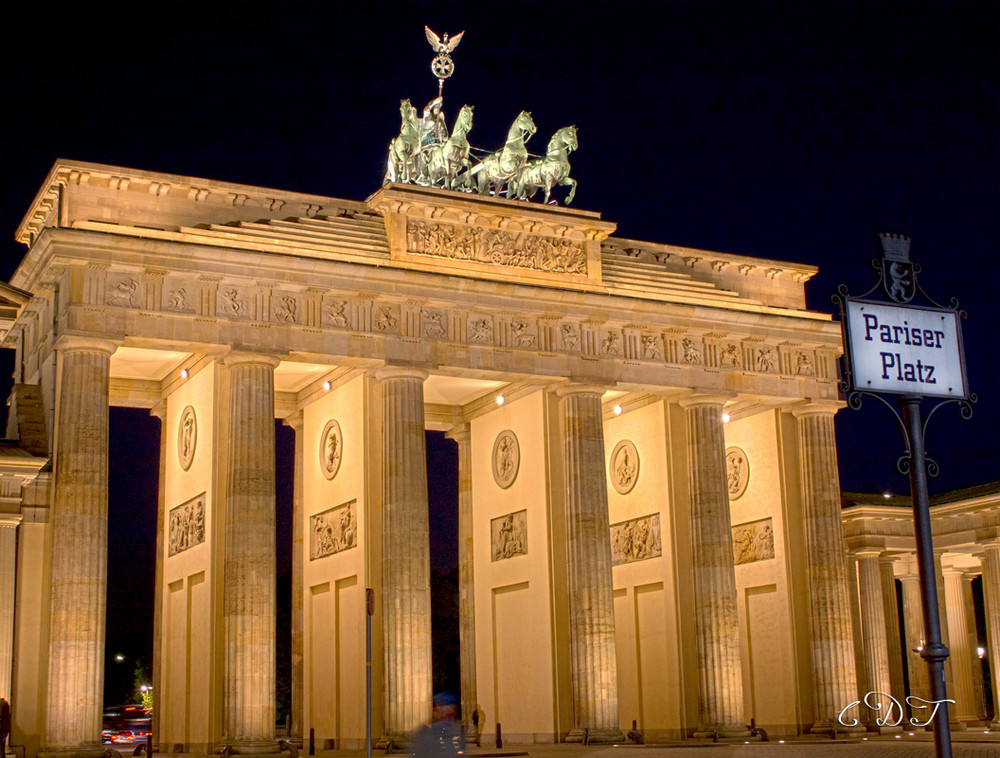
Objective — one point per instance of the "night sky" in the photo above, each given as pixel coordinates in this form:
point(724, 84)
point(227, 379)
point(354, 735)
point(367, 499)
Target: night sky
point(787, 130)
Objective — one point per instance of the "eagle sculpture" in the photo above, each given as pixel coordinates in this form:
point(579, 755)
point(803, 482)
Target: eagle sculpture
point(442, 46)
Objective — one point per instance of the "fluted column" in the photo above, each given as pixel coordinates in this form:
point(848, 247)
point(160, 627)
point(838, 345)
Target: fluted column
point(249, 565)
point(968, 701)
point(913, 622)
point(160, 412)
point(991, 593)
point(978, 706)
point(79, 550)
point(593, 657)
point(832, 646)
point(892, 638)
point(295, 422)
point(876, 651)
point(8, 574)
point(720, 668)
point(466, 584)
point(406, 604)
point(949, 667)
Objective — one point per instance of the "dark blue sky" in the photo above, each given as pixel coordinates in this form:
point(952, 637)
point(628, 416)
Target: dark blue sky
point(791, 130)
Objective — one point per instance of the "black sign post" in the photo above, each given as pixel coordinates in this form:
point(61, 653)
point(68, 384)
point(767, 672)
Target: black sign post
point(893, 347)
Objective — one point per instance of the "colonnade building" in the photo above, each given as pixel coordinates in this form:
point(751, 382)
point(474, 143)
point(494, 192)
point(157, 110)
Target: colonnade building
point(649, 522)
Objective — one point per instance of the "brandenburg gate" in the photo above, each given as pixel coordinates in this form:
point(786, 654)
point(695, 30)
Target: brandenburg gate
point(649, 512)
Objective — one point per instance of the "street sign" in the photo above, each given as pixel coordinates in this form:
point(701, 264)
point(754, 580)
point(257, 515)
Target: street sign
point(905, 350)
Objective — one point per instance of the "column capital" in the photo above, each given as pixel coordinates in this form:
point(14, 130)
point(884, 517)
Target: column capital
point(817, 407)
point(245, 357)
point(10, 520)
point(459, 433)
point(581, 388)
point(159, 410)
point(295, 420)
point(699, 399)
point(68, 343)
point(389, 371)
point(888, 558)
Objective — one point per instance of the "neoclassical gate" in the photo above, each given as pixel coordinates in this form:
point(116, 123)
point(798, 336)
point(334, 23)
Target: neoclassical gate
point(647, 470)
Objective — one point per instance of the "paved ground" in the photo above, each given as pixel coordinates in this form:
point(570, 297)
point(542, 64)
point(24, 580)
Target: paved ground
point(970, 744)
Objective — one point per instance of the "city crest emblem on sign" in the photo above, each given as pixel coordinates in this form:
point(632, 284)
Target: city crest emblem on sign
point(427, 154)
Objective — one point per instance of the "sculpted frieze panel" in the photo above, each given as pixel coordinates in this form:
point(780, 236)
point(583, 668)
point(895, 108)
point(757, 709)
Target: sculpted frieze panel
point(433, 324)
point(753, 542)
point(186, 526)
point(337, 313)
point(122, 292)
point(179, 296)
point(496, 247)
point(481, 330)
point(509, 536)
point(285, 308)
point(234, 302)
point(333, 531)
point(569, 337)
point(636, 540)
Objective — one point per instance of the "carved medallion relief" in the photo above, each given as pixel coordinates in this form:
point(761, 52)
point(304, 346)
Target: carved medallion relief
point(737, 472)
point(333, 531)
point(636, 540)
point(506, 459)
point(509, 536)
point(753, 542)
point(186, 525)
point(624, 467)
point(331, 449)
point(187, 437)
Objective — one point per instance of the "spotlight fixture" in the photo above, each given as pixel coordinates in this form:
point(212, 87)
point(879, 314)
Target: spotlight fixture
point(725, 418)
point(184, 373)
point(499, 399)
point(618, 410)
point(326, 386)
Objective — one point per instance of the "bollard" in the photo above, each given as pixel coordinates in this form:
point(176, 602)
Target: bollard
point(149, 745)
point(499, 737)
point(312, 741)
point(586, 735)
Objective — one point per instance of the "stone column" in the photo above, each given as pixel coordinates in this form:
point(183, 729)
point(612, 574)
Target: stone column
point(593, 656)
point(8, 576)
point(991, 594)
point(969, 606)
point(295, 422)
point(834, 679)
point(406, 603)
point(877, 684)
point(160, 412)
point(249, 564)
point(466, 579)
point(913, 622)
point(949, 668)
point(892, 639)
point(79, 550)
point(720, 668)
point(968, 701)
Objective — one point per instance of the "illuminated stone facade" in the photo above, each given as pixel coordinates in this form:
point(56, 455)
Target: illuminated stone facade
point(220, 307)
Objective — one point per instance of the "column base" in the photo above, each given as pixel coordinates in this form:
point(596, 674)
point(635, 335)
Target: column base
point(722, 732)
point(260, 748)
point(594, 736)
